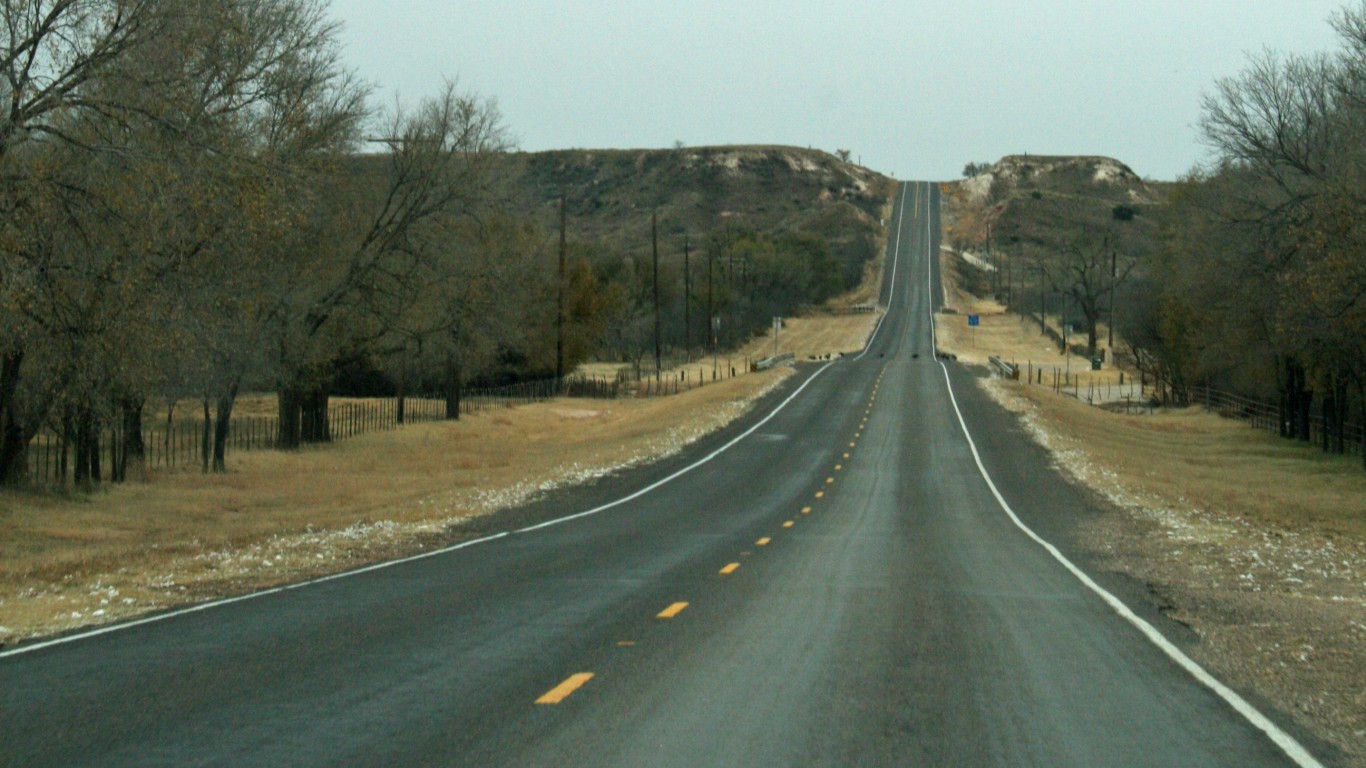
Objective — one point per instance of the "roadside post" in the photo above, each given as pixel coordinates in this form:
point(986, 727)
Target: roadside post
point(1067, 349)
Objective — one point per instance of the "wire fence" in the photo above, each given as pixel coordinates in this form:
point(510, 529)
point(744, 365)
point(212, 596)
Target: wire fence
point(1350, 439)
point(188, 444)
point(1102, 389)
point(1120, 391)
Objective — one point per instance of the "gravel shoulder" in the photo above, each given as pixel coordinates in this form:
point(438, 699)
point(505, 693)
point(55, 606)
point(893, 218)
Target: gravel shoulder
point(282, 518)
point(1278, 606)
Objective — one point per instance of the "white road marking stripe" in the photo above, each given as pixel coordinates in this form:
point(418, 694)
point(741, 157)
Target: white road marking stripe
point(896, 259)
point(704, 460)
point(1288, 744)
point(896, 256)
point(240, 598)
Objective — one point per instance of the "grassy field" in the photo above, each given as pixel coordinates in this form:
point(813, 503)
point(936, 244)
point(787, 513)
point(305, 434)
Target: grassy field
point(1185, 454)
point(70, 560)
point(1018, 341)
point(1186, 457)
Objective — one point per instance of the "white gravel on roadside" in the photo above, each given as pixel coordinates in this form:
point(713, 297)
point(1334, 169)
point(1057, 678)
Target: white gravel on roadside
point(1279, 611)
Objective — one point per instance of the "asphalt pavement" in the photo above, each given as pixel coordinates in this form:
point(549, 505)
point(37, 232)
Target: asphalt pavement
point(831, 581)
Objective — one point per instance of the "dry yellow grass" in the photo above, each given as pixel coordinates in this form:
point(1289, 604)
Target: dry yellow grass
point(816, 336)
point(1011, 337)
point(66, 561)
point(1189, 458)
point(71, 560)
point(1258, 544)
point(1184, 457)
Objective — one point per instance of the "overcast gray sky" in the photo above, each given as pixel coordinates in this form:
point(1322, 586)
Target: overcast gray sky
point(912, 88)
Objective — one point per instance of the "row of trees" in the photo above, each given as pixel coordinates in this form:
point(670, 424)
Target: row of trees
point(185, 204)
point(1063, 255)
point(1263, 265)
point(713, 294)
point(197, 198)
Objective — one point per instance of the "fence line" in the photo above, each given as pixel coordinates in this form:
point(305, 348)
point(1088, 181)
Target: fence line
point(50, 456)
point(1119, 391)
point(1267, 416)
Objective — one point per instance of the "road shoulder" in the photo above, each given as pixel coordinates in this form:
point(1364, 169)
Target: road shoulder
point(1273, 611)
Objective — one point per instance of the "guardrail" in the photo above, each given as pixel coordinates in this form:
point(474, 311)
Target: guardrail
point(769, 362)
point(1006, 369)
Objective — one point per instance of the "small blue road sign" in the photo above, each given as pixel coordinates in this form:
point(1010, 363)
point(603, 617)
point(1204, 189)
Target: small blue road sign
point(974, 320)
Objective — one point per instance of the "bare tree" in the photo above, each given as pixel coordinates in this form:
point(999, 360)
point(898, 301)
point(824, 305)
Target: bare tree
point(1088, 269)
point(138, 138)
point(370, 223)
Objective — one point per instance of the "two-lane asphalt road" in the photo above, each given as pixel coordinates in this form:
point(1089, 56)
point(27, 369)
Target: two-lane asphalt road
point(832, 581)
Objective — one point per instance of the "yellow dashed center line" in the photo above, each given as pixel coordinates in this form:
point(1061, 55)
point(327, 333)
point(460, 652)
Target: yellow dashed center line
point(846, 455)
point(820, 494)
point(763, 542)
point(806, 510)
point(561, 692)
point(829, 480)
point(671, 611)
point(839, 467)
point(729, 569)
point(787, 524)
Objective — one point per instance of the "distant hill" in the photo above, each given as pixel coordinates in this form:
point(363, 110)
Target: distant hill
point(1042, 200)
point(698, 191)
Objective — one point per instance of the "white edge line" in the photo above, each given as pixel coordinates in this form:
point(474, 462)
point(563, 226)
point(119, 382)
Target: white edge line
point(240, 598)
point(705, 459)
point(896, 255)
point(896, 259)
point(390, 563)
point(446, 550)
point(1288, 744)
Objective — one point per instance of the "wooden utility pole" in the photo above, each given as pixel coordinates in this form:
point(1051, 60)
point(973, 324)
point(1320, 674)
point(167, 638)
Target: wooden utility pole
point(1043, 303)
point(687, 298)
point(1114, 279)
point(559, 297)
point(654, 246)
point(711, 333)
point(995, 268)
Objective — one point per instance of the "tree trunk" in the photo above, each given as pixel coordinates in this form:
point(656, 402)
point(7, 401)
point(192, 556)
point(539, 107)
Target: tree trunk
point(1296, 402)
point(1361, 398)
point(453, 375)
point(1306, 404)
point(1091, 311)
point(68, 440)
point(222, 426)
point(290, 407)
point(134, 451)
point(87, 470)
point(401, 390)
point(206, 438)
point(1341, 405)
point(1283, 412)
point(14, 441)
point(14, 436)
point(313, 423)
